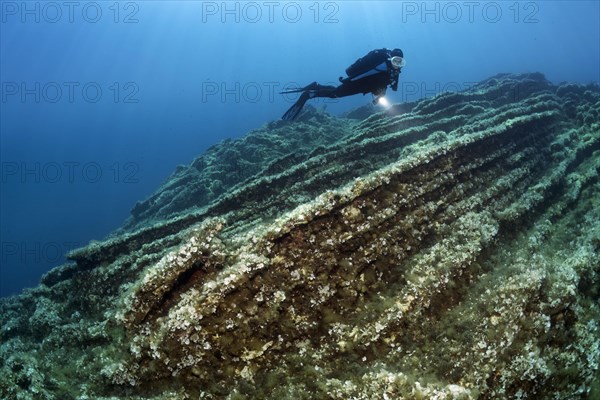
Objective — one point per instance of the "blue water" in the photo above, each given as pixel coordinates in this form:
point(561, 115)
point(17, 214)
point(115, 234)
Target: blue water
point(100, 101)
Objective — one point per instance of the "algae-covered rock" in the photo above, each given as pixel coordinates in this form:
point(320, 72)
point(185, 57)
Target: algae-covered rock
point(446, 249)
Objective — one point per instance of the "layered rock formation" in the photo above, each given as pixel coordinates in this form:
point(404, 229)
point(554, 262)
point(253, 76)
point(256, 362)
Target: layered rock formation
point(445, 249)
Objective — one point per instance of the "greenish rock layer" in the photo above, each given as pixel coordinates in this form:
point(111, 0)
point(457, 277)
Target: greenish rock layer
point(444, 249)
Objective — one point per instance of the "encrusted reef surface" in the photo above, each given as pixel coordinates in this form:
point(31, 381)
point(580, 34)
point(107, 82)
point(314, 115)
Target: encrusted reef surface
point(445, 249)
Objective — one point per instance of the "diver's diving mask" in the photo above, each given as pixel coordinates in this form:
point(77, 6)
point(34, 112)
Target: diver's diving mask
point(397, 62)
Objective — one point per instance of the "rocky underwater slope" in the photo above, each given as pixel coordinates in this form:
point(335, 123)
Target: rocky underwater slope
point(446, 249)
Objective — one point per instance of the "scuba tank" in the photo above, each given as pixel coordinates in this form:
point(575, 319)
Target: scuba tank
point(367, 63)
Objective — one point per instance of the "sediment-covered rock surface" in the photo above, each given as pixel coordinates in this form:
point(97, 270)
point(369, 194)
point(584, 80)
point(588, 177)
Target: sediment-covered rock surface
point(444, 249)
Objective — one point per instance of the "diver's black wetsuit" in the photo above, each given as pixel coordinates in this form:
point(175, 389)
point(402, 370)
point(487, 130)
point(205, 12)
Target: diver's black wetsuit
point(372, 73)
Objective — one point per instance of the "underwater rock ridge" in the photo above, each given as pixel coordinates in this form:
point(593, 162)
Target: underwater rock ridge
point(443, 249)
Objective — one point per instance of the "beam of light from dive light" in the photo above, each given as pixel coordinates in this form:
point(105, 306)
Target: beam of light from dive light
point(383, 102)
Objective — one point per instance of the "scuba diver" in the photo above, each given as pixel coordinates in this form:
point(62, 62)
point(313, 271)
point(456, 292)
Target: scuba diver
point(369, 74)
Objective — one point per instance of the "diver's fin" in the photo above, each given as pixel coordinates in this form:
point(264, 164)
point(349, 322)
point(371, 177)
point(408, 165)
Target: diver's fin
point(294, 110)
point(312, 86)
point(298, 90)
